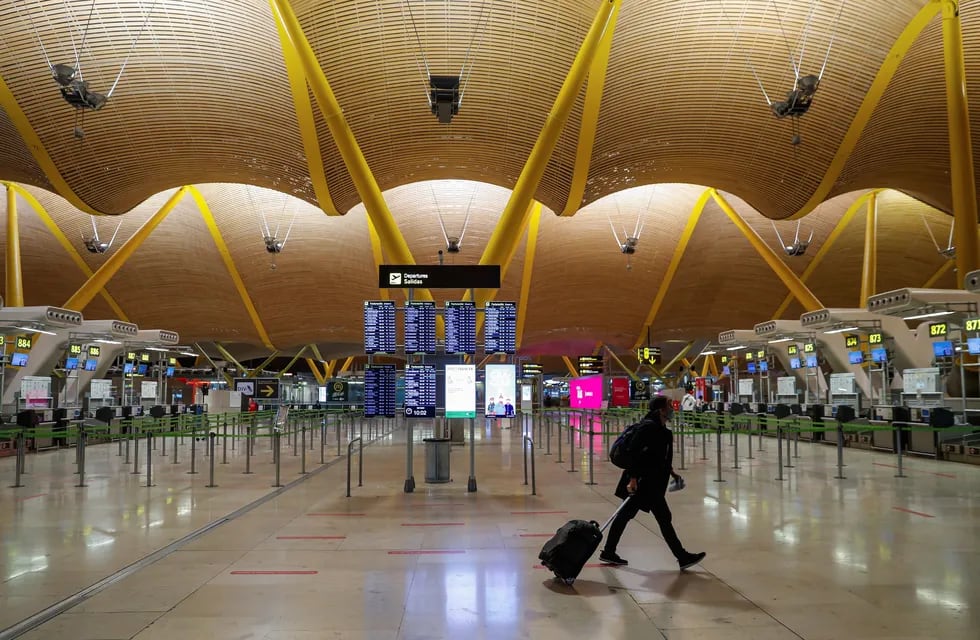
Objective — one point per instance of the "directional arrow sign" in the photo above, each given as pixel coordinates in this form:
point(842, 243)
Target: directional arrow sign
point(267, 389)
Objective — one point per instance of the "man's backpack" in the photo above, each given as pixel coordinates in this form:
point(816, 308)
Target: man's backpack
point(623, 451)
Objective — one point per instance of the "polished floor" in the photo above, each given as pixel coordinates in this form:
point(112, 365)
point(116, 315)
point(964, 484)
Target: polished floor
point(871, 556)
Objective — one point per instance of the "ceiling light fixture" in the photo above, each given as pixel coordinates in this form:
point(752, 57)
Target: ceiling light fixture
point(934, 314)
point(841, 330)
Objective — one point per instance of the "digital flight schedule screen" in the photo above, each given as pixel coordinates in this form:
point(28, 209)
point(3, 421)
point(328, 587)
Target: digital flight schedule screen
point(379, 391)
point(420, 327)
point(460, 319)
point(420, 391)
point(379, 326)
point(500, 328)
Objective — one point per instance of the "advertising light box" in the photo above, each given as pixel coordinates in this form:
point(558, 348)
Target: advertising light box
point(585, 393)
point(501, 385)
point(460, 391)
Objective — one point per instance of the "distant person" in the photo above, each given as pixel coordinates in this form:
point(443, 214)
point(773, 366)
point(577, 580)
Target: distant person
point(689, 402)
point(253, 406)
point(645, 483)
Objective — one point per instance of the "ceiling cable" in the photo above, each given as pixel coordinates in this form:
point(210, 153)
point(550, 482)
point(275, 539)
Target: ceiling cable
point(131, 49)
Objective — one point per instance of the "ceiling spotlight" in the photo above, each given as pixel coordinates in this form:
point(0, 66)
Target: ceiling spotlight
point(272, 244)
point(94, 245)
point(452, 245)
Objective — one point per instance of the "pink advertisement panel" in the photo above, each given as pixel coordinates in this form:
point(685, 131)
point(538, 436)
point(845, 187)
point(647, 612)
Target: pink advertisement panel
point(585, 393)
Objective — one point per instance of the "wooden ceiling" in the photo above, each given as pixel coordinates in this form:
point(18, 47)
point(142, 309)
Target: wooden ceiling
point(205, 99)
point(581, 289)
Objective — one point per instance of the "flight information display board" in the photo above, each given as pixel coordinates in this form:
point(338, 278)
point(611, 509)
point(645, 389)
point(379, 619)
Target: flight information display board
point(379, 391)
point(460, 327)
point(420, 391)
point(500, 328)
point(420, 327)
point(379, 326)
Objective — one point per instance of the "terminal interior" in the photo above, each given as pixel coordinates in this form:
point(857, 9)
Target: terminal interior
point(320, 318)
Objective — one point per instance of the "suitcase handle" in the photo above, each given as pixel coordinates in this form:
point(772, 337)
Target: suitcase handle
point(615, 513)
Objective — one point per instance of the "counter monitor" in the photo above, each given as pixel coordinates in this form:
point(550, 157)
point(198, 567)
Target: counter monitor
point(942, 349)
point(973, 345)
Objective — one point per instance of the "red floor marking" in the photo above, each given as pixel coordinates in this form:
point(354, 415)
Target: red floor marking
point(536, 535)
point(588, 566)
point(534, 513)
point(432, 524)
point(336, 515)
point(425, 552)
point(917, 513)
point(935, 473)
point(311, 537)
point(25, 498)
point(274, 573)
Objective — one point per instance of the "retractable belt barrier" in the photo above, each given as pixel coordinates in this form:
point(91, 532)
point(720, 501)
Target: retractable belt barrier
point(209, 428)
point(689, 423)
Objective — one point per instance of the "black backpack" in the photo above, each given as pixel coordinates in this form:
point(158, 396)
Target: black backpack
point(623, 451)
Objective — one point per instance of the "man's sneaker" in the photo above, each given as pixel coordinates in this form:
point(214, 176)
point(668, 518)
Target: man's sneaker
point(610, 557)
point(690, 560)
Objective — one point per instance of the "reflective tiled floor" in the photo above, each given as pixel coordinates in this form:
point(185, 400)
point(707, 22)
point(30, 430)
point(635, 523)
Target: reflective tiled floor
point(871, 556)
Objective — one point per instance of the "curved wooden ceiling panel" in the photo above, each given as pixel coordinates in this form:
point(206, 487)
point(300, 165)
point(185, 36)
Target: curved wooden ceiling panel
point(519, 53)
point(581, 291)
point(710, 124)
point(312, 291)
point(204, 96)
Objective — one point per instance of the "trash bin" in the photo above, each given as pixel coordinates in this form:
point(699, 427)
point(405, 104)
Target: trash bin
point(437, 460)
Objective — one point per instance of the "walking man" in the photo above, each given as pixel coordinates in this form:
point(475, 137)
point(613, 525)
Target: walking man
point(645, 481)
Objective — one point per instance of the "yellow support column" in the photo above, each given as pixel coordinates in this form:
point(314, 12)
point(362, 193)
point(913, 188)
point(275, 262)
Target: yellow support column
point(229, 262)
point(347, 363)
point(529, 253)
point(616, 359)
point(315, 368)
point(590, 118)
point(571, 367)
point(505, 237)
point(257, 370)
point(960, 146)
point(675, 261)
point(869, 268)
point(826, 246)
point(783, 272)
point(55, 230)
point(289, 366)
point(14, 293)
point(364, 181)
point(91, 288)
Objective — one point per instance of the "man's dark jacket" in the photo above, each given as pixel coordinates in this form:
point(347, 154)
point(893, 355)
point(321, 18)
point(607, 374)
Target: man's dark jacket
point(654, 447)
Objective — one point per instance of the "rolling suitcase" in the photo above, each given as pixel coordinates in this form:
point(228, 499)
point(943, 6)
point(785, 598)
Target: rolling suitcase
point(566, 553)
